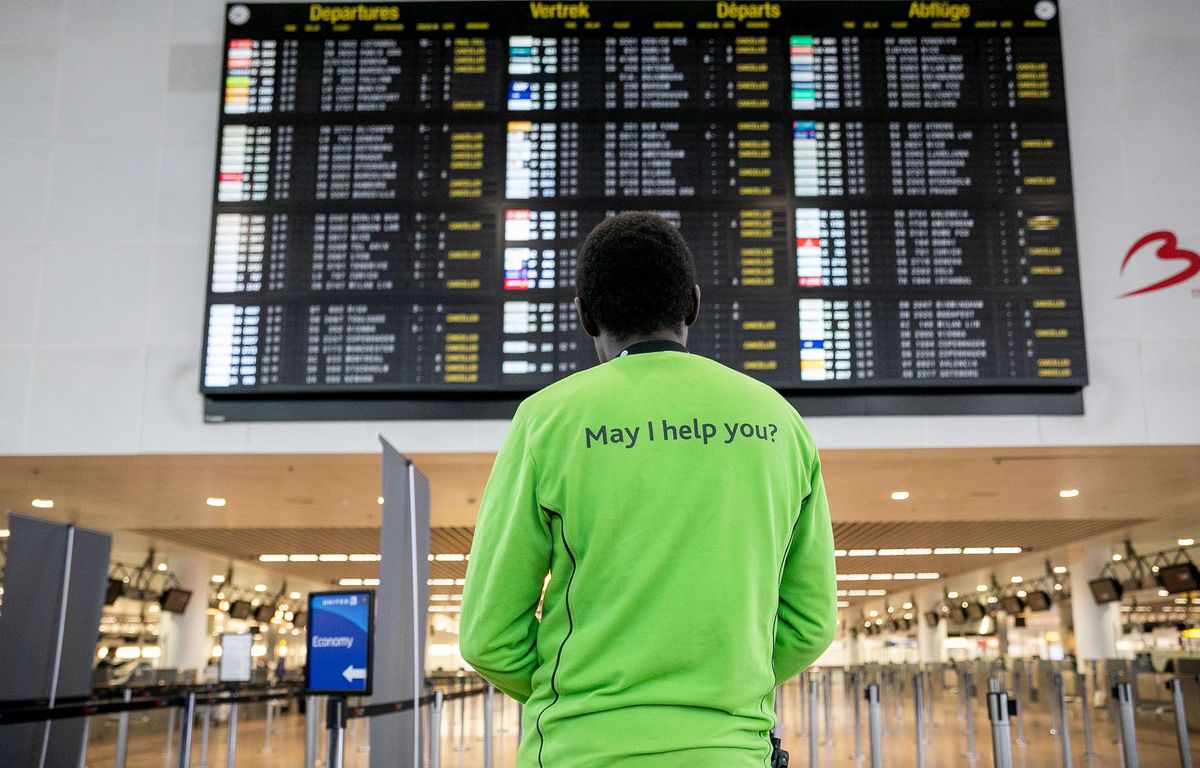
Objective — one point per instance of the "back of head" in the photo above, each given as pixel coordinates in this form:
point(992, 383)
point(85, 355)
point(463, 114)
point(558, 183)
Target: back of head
point(635, 275)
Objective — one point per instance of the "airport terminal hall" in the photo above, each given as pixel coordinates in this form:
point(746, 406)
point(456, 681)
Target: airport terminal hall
point(600, 384)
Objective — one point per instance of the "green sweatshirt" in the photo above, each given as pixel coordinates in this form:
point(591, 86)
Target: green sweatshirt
point(679, 509)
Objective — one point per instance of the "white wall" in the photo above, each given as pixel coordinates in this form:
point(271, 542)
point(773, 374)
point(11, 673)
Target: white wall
point(108, 112)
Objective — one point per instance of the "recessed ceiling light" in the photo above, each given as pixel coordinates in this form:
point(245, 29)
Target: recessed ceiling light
point(1116, 558)
point(4, 533)
point(218, 579)
point(43, 503)
point(1187, 542)
point(379, 500)
point(260, 587)
point(981, 587)
point(843, 603)
point(1069, 493)
point(272, 558)
point(1163, 593)
point(951, 595)
point(215, 501)
point(1017, 579)
point(294, 595)
point(899, 495)
point(1060, 569)
point(162, 566)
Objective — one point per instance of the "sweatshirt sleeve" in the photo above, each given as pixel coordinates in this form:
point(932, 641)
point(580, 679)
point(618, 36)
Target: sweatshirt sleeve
point(510, 557)
point(808, 587)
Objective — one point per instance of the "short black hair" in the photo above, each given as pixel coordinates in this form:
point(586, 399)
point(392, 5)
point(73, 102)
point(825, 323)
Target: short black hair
point(635, 275)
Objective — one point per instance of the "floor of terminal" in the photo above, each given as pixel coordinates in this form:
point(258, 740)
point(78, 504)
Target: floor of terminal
point(946, 743)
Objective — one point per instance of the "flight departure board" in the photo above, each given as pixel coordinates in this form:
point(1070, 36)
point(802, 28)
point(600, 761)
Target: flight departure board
point(878, 194)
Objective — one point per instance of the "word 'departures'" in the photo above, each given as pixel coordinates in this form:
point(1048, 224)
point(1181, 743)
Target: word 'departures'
point(664, 431)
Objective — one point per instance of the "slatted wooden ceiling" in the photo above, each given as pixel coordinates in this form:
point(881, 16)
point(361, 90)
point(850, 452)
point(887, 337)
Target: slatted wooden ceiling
point(1030, 535)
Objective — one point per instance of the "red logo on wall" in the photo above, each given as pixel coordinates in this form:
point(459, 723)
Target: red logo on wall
point(1167, 250)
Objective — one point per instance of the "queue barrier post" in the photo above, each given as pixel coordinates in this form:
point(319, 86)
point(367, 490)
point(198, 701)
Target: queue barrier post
point(123, 731)
point(1000, 709)
point(335, 724)
point(969, 703)
point(205, 716)
point(876, 739)
point(169, 749)
point(856, 683)
point(231, 740)
point(1064, 736)
point(487, 726)
point(185, 735)
point(435, 731)
point(1181, 728)
point(919, 714)
point(814, 756)
point(1127, 727)
point(827, 693)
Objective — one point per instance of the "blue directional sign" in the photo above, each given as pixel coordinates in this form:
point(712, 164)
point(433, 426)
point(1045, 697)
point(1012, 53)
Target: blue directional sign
point(341, 630)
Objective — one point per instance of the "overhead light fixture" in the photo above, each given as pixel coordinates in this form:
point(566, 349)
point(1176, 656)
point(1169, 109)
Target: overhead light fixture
point(843, 603)
point(1163, 593)
point(272, 558)
point(43, 503)
point(1187, 542)
point(1068, 493)
point(449, 558)
point(333, 558)
point(302, 558)
point(379, 500)
point(364, 558)
point(926, 575)
point(862, 553)
point(1116, 558)
point(260, 587)
point(947, 550)
point(218, 579)
point(162, 567)
point(951, 595)
point(899, 495)
point(981, 587)
point(1060, 569)
point(1007, 550)
point(293, 596)
point(839, 553)
point(977, 550)
point(4, 533)
point(1017, 579)
point(350, 582)
point(215, 501)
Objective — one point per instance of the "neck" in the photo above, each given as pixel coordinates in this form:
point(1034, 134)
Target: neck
point(609, 346)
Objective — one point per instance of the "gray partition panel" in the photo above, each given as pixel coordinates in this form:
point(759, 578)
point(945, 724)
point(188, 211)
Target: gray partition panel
point(46, 563)
point(401, 610)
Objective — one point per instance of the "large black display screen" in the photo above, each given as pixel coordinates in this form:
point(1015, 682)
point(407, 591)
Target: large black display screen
point(878, 194)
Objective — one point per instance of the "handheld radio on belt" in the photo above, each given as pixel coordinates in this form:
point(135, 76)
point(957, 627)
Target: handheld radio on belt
point(779, 758)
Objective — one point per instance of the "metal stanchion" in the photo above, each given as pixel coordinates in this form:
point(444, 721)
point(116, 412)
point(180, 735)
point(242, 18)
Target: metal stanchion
point(1181, 728)
point(998, 714)
point(1128, 729)
point(335, 724)
point(267, 730)
point(231, 740)
point(205, 717)
point(310, 731)
point(1065, 731)
point(169, 749)
point(814, 756)
point(801, 720)
point(123, 731)
point(435, 731)
point(919, 714)
point(885, 693)
point(855, 681)
point(462, 718)
point(185, 734)
point(1081, 688)
point(520, 721)
point(1020, 674)
point(827, 691)
point(969, 702)
point(873, 725)
point(928, 683)
point(487, 727)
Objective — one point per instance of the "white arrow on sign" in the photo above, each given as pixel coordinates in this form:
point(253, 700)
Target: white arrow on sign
point(352, 673)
